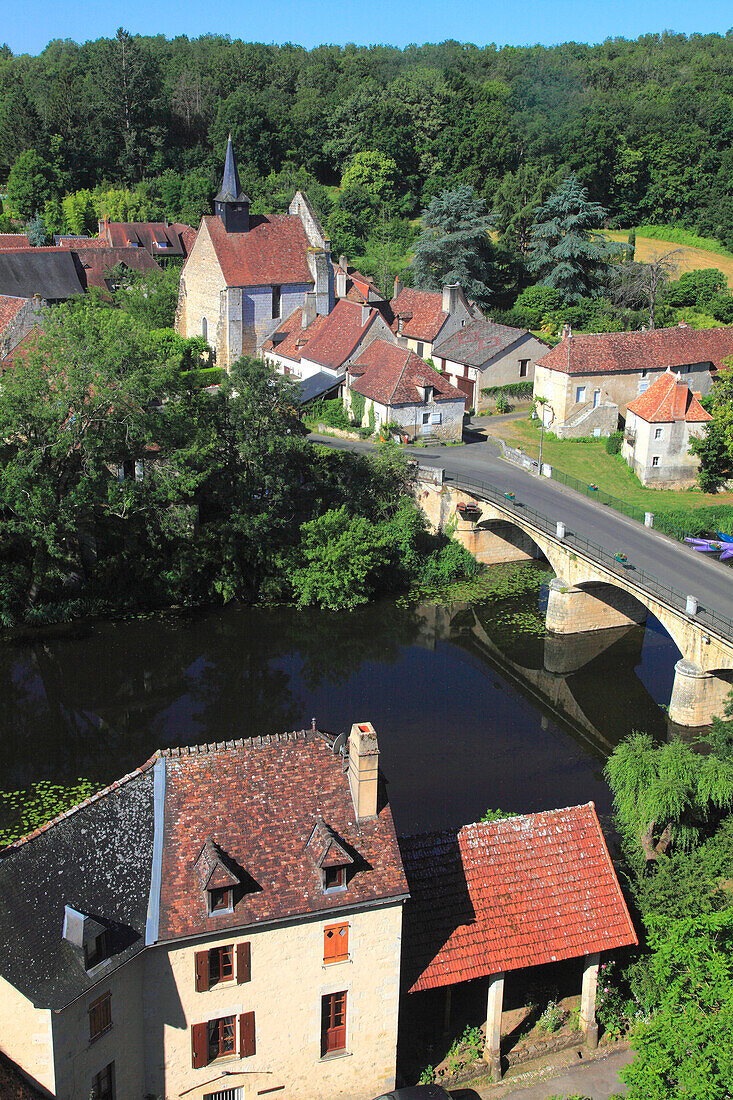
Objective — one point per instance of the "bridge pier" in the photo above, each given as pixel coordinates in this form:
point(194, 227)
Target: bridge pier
point(493, 545)
point(697, 696)
point(572, 610)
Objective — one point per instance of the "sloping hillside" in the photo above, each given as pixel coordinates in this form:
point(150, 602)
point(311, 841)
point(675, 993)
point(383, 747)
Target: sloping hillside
point(687, 259)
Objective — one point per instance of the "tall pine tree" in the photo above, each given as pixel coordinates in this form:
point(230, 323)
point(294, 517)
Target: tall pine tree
point(565, 251)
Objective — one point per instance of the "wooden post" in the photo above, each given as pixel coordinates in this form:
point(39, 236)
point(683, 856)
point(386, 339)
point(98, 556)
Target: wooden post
point(587, 1021)
point(492, 1046)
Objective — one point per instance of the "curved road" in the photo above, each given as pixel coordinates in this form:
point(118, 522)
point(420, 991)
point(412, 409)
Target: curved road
point(670, 561)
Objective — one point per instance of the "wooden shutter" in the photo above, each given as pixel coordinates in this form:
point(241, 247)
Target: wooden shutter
point(202, 971)
point(336, 942)
point(333, 1023)
point(199, 1045)
point(247, 1044)
point(244, 963)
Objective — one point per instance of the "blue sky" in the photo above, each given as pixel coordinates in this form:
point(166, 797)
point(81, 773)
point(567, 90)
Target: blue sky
point(28, 27)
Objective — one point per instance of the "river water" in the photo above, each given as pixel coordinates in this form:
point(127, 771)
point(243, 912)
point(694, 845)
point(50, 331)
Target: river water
point(467, 713)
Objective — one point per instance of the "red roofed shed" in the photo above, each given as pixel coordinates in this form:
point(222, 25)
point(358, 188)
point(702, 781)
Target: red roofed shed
point(501, 895)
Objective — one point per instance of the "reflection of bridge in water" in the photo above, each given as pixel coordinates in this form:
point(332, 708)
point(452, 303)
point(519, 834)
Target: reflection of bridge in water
point(594, 591)
point(574, 680)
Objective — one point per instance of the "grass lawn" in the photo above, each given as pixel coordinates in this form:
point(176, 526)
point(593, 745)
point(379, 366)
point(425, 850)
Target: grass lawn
point(590, 463)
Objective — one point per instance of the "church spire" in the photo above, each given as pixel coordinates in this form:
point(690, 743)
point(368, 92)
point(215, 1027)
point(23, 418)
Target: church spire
point(231, 204)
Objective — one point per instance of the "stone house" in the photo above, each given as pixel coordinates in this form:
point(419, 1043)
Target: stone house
point(398, 387)
point(245, 273)
point(590, 379)
point(485, 354)
point(423, 318)
point(659, 426)
point(496, 897)
point(307, 344)
point(224, 922)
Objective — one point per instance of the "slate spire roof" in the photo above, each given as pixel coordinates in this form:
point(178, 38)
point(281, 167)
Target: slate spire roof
point(231, 189)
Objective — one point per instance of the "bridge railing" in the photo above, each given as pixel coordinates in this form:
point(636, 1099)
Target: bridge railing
point(652, 585)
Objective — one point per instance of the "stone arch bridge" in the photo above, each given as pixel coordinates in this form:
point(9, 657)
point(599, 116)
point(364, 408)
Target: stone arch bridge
point(593, 589)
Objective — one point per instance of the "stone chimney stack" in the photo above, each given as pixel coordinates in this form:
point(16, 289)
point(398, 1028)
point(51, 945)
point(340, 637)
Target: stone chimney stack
point(341, 273)
point(450, 297)
point(566, 331)
point(309, 308)
point(364, 769)
point(398, 287)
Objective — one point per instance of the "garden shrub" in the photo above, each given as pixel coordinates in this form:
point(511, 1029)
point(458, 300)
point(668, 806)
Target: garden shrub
point(613, 443)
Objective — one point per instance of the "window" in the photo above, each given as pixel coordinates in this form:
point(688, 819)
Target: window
point(336, 943)
point(276, 301)
point(95, 951)
point(420, 347)
point(222, 1037)
point(523, 368)
point(333, 1023)
point(596, 398)
point(655, 460)
point(426, 418)
point(436, 418)
point(657, 433)
point(580, 393)
point(100, 1016)
point(103, 1084)
point(442, 364)
point(204, 328)
point(334, 878)
point(217, 965)
point(220, 900)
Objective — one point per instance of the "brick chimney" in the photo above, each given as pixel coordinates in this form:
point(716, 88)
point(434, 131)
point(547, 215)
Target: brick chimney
point(450, 297)
point(364, 769)
point(308, 315)
point(566, 331)
point(398, 287)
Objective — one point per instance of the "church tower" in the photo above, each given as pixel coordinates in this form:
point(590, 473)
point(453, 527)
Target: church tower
point(231, 204)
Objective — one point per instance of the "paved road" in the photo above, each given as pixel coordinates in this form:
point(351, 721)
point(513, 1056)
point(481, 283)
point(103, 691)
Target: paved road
point(671, 562)
point(597, 1079)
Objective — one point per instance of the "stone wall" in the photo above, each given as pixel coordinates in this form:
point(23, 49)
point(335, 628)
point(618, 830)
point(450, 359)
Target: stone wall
point(676, 467)
point(200, 293)
point(26, 1036)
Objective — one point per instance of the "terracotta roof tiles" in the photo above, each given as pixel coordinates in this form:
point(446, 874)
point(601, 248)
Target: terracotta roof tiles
point(667, 399)
point(14, 240)
point(274, 252)
point(422, 313)
point(657, 349)
point(506, 894)
point(391, 375)
point(9, 310)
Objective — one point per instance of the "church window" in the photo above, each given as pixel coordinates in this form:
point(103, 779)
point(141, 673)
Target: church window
point(204, 328)
point(276, 297)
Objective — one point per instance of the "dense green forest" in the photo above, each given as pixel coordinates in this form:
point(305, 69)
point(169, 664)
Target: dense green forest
point(647, 125)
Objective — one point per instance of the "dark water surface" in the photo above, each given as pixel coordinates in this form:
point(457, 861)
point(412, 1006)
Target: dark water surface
point(467, 714)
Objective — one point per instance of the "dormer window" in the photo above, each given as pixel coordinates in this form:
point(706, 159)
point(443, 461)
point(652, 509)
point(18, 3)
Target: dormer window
point(95, 951)
point(87, 935)
point(334, 878)
point(220, 900)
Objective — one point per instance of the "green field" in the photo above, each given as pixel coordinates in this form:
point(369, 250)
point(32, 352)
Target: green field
point(590, 463)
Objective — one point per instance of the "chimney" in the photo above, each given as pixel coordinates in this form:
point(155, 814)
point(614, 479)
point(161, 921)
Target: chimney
point(364, 769)
point(341, 278)
point(309, 308)
point(366, 312)
point(398, 287)
point(450, 297)
point(567, 331)
point(683, 324)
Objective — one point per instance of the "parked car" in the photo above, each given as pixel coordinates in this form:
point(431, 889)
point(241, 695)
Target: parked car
point(417, 1092)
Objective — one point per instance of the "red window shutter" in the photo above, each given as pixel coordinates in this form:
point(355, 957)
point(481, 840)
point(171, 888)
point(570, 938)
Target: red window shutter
point(244, 963)
point(247, 1044)
point(202, 971)
point(199, 1045)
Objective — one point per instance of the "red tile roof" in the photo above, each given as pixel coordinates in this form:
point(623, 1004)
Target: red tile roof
point(157, 238)
point(610, 352)
point(274, 252)
point(20, 350)
point(9, 310)
point(422, 313)
point(391, 375)
point(186, 235)
point(339, 336)
point(96, 263)
point(82, 242)
point(506, 894)
point(259, 801)
point(14, 240)
point(296, 337)
point(667, 399)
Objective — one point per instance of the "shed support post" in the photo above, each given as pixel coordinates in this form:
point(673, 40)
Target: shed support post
point(492, 1046)
point(588, 1024)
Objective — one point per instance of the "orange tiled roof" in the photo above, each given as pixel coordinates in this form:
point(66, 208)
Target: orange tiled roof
point(391, 375)
point(14, 240)
point(422, 313)
point(9, 309)
point(657, 349)
point(296, 337)
point(337, 338)
point(668, 399)
point(506, 894)
point(274, 251)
